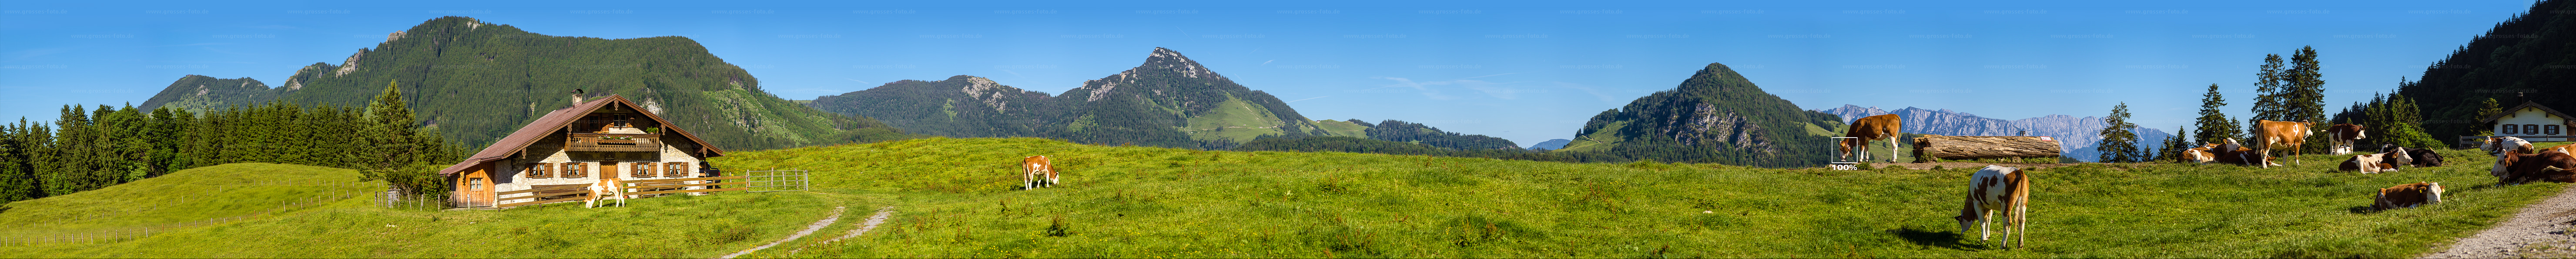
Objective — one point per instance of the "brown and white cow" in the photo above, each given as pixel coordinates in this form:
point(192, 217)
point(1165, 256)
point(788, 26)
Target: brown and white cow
point(2341, 137)
point(1037, 172)
point(1997, 189)
point(2514, 167)
point(605, 189)
point(2271, 135)
point(2377, 162)
point(2200, 155)
point(1872, 128)
point(2234, 153)
point(2407, 196)
point(2498, 145)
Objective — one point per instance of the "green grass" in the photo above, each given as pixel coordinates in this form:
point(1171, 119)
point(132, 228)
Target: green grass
point(1234, 120)
point(679, 226)
point(955, 200)
point(1342, 128)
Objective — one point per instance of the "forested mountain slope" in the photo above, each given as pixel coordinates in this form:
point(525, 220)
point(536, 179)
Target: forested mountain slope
point(2533, 56)
point(476, 82)
point(1716, 116)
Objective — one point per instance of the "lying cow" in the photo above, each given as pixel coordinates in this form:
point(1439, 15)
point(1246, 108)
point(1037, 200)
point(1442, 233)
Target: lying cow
point(2498, 145)
point(1997, 189)
point(1037, 172)
point(2422, 157)
point(2377, 162)
point(2514, 167)
point(2341, 136)
point(2200, 155)
point(2407, 196)
point(2231, 152)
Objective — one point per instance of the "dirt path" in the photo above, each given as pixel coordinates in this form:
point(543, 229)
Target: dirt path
point(2541, 230)
point(809, 229)
point(864, 227)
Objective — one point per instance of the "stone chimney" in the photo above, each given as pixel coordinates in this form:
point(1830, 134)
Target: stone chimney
point(576, 96)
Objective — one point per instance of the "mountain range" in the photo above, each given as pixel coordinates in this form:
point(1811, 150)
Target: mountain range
point(2079, 136)
point(1168, 101)
point(475, 82)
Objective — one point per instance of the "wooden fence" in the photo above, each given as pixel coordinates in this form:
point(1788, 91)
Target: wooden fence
point(544, 194)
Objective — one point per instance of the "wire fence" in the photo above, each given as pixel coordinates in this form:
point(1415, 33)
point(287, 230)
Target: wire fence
point(334, 191)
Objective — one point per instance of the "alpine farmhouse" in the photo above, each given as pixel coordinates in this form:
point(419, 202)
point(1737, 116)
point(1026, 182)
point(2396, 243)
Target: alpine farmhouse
point(568, 149)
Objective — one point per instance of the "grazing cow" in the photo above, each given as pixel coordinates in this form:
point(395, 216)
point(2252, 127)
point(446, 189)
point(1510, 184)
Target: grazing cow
point(1037, 172)
point(2270, 135)
point(1872, 128)
point(2407, 196)
point(1997, 189)
point(610, 188)
point(2514, 167)
point(2422, 157)
point(2498, 145)
point(2341, 137)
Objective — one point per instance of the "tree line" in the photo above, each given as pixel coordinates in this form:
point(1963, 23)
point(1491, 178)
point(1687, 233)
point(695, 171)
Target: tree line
point(88, 148)
point(2289, 89)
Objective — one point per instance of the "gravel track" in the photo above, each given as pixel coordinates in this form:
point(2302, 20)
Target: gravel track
point(809, 229)
point(2541, 230)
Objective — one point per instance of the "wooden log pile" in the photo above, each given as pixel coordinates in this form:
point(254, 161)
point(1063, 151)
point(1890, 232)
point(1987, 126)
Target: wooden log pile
point(1928, 148)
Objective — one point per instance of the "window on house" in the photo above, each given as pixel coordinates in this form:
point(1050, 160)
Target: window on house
point(641, 170)
point(2531, 129)
point(540, 170)
point(2508, 129)
point(2551, 130)
point(473, 184)
point(576, 170)
point(675, 169)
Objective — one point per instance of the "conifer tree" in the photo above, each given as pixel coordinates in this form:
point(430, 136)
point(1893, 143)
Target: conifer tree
point(2213, 121)
point(2119, 145)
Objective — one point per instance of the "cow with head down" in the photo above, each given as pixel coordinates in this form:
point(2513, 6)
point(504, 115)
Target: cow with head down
point(1997, 190)
point(2341, 137)
point(1867, 129)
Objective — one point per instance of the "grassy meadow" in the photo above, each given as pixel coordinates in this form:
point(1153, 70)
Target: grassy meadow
point(956, 198)
point(680, 226)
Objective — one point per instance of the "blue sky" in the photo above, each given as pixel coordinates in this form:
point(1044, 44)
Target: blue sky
point(1524, 71)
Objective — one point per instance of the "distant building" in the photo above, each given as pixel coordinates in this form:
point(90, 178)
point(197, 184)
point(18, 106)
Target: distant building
point(2533, 122)
point(574, 147)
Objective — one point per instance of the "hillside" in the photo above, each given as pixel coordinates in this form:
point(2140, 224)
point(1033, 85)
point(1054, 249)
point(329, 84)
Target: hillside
point(1716, 116)
point(2079, 136)
point(1168, 101)
point(234, 210)
point(2530, 54)
point(476, 85)
point(1131, 201)
point(196, 93)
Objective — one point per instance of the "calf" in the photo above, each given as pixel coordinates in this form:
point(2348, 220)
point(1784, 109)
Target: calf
point(1997, 189)
point(1872, 128)
point(2407, 196)
point(2377, 162)
point(2342, 135)
point(2422, 157)
point(1037, 172)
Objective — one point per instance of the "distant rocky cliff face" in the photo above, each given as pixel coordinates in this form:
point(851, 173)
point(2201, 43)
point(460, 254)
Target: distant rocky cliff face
point(2077, 135)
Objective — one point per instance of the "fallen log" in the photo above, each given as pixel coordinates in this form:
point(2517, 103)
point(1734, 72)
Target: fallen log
point(1929, 148)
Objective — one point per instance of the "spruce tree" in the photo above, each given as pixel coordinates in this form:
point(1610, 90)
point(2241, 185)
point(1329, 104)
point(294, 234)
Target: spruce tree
point(2119, 145)
point(2214, 123)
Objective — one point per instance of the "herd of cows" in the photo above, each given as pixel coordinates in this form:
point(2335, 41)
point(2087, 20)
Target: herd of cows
point(2005, 191)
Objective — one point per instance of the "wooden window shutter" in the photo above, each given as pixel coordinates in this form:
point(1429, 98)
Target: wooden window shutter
point(576, 170)
point(537, 170)
point(640, 170)
point(673, 170)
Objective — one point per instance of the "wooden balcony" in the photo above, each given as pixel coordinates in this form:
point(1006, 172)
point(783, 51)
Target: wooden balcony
point(614, 142)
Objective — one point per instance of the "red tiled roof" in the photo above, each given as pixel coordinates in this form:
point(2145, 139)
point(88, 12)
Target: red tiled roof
point(557, 120)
